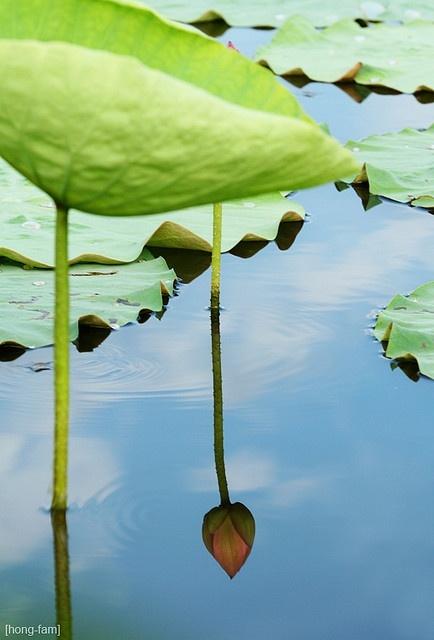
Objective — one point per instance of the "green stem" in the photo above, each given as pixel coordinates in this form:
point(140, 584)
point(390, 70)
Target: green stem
point(216, 255)
point(61, 572)
point(218, 406)
point(61, 362)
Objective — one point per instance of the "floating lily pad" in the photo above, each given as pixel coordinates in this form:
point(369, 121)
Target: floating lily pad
point(395, 56)
point(101, 296)
point(27, 220)
point(399, 166)
point(407, 325)
point(257, 13)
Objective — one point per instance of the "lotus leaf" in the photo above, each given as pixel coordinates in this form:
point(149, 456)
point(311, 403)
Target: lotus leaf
point(130, 29)
point(100, 296)
point(80, 124)
point(396, 56)
point(407, 325)
point(27, 221)
point(399, 166)
point(257, 13)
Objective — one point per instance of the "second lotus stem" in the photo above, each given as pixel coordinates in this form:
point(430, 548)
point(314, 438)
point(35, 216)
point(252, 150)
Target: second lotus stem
point(216, 255)
point(61, 363)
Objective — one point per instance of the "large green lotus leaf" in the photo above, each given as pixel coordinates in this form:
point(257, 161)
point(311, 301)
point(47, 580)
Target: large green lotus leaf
point(272, 13)
point(407, 325)
point(105, 134)
point(130, 29)
point(27, 221)
point(396, 56)
point(100, 296)
point(399, 166)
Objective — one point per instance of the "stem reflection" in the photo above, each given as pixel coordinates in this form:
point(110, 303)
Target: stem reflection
point(61, 573)
point(228, 531)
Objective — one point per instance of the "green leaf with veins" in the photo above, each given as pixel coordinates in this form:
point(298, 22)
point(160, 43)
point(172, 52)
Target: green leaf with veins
point(105, 134)
point(395, 56)
point(399, 166)
point(129, 29)
point(27, 220)
point(101, 296)
point(407, 325)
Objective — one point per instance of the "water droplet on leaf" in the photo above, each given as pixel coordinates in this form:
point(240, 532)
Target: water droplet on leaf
point(31, 224)
point(412, 14)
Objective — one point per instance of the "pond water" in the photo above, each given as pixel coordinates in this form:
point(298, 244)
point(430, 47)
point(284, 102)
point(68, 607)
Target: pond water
point(330, 447)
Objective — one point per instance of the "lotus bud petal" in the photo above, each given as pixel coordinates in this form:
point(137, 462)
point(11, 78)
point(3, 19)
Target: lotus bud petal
point(232, 46)
point(228, 533)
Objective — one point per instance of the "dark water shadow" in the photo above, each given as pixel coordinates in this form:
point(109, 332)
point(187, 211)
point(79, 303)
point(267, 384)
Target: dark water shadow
point(409, 367)
point(370, 200)
point(361, 189)
point(214, 28)
point(190, 265)
point(10, 352)
point(358, 92)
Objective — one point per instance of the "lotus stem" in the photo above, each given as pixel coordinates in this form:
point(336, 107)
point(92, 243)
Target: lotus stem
point(61, 362)
point(218, 406)
point(216, 255)
point(61, 573)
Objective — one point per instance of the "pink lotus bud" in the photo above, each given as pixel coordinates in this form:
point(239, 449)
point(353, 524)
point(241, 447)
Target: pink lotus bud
point(232, 46)
point(228, 533)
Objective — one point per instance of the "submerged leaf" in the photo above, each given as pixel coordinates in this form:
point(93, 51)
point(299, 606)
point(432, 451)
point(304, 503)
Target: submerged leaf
point(101, 296)
point(149, 142)
point(27, 222)
point(399, 166)
point(272, 13)
point(407, 325)
point(395, 56)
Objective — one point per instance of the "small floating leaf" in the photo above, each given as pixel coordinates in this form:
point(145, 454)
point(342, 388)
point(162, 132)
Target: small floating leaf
point(407, 325)
point(395, 56)
point(399, 166)
point(101, 296)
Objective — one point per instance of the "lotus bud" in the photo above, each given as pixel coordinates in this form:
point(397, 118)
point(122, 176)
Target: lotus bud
point(228, 532)
point(232, 46)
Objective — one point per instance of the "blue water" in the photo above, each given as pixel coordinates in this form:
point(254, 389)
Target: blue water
point(330, 448)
